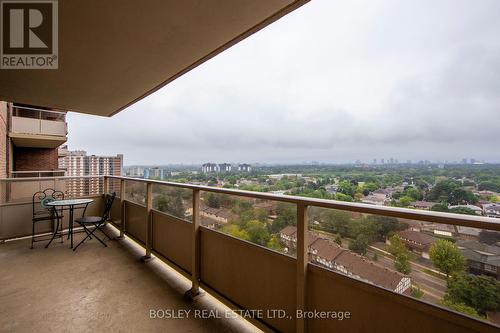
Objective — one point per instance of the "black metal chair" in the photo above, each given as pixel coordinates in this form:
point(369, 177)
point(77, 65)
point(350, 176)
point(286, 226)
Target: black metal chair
point(43, 213)
point(97, 222)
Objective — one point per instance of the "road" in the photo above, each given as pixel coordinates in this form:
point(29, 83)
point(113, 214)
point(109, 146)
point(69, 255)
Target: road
point(433, 287)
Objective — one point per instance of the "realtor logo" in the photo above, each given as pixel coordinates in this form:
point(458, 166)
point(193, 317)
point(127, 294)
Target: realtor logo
point(29, 34)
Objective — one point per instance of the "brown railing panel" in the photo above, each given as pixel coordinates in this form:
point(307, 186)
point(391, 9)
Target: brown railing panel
point(374, 309)
point(16, 219)
point(136, 221)
point(115, 214)
point(250, 276)
point(172, 239)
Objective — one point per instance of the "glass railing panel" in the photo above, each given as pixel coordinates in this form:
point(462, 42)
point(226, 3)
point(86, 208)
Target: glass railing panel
point(173, 200)
point(251, 219)
point(135, 191)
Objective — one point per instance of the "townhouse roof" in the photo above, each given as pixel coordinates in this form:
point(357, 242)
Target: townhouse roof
point(423, 204)
point(416, 237)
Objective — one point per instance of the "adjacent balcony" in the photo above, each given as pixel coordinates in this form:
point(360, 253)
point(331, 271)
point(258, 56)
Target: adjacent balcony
point(109, 288)
point(30, 127)
point(43, 173)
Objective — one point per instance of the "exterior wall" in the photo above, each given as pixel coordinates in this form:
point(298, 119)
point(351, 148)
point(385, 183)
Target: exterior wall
point(3, 140)
point(34, 159)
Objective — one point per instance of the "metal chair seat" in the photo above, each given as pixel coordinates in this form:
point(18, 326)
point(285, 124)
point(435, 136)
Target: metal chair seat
point(89, 219)
point(91, 224)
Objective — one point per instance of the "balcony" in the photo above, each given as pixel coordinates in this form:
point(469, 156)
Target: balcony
point(37, 128)
point(241, 274)
point(31, 174)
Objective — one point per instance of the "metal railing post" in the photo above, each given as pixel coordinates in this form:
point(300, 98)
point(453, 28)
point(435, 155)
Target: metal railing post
point(302, 259)
point(106, 185)
point(122, 209)
point(149, 227)
point(195, 259)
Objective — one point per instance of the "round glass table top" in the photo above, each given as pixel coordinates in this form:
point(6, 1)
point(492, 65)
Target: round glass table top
point(69, 202)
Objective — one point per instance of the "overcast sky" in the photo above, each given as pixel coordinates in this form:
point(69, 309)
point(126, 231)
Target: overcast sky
point(334, 81)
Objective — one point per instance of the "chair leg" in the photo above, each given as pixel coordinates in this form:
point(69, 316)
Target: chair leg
point(90, 233)
point(54, 234)
point(32, 235)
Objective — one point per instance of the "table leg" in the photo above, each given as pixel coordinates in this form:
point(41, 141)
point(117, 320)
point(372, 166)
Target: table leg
point(71, 223)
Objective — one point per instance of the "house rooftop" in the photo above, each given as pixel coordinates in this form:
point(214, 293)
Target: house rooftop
point(416, 236)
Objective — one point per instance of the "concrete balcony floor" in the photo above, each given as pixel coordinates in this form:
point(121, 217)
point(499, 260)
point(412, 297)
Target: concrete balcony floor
point(96, 289)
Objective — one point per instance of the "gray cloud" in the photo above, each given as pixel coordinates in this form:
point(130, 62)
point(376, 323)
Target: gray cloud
point(333, 82)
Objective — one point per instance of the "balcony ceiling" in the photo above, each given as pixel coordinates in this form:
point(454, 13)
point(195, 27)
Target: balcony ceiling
point(114, 53)
point(37, 141)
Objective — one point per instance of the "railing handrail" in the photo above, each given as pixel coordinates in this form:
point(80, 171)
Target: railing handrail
point(26, 179)
point(37, 171)
point(480, 222)
point(37, 109)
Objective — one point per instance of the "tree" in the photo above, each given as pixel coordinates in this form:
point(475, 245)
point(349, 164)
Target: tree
point(397, 245)
point(170, 203)
point(343, 197)
point(462, 210)
point(286, 215)
point(213, 200)
point(257, 232)
point(402, 264)
point(460, 307)
point(375, 256)
point(274, 243)
point(447, 257)
point(417, 292)
point(347, 188)
point(405, 201)
point(359, 245)
point(480, 292)
point(413, 193)
point(380, 226)
point(440, 207)
point(335, 221)
point(451, 192)
point(235, 231)
point(338, 240)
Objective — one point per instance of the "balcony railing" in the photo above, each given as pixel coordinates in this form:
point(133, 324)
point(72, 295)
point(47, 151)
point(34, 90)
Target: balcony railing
point(31, 174)
point(26, 120)
point(34, 113)
point(248, 276)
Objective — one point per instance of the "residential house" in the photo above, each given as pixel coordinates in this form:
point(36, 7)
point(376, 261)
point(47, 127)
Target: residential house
point(426, 205)
point(491, 210)
point(222, 215)
point(481, 258)
point(330, 255)
point(418, 242)
point(378, 199)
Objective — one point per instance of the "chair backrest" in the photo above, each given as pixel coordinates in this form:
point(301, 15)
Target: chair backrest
point(108, 203)
point(41, 198)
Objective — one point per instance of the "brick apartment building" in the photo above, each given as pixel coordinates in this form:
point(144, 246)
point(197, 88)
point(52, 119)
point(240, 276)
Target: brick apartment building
point(77, 163)
point(29, 139)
